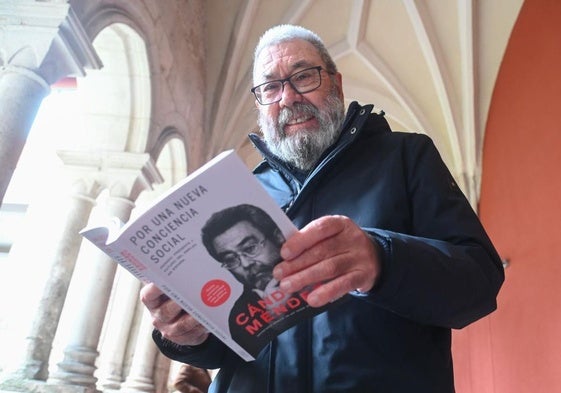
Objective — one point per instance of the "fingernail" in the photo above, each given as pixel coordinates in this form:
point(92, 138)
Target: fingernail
point(312, 299)
point(286, 253)
point(277, 273)
point(286, 285)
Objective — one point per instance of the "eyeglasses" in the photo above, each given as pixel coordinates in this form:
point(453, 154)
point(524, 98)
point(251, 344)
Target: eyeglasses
point(250, 249)
point(302, 82)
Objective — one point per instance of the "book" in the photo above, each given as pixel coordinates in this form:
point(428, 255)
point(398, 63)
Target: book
point(211, 276)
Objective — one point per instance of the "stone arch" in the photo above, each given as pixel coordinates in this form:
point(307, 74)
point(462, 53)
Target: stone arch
point(117, 98)
point(169, 153)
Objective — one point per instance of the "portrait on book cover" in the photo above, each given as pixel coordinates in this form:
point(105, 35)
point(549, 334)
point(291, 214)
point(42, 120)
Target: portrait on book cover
point(246, 241)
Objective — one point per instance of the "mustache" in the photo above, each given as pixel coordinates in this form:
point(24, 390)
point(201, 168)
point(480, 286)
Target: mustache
point(299, 109)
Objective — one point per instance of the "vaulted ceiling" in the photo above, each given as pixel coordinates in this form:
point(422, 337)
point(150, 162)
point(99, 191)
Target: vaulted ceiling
point(430, 65)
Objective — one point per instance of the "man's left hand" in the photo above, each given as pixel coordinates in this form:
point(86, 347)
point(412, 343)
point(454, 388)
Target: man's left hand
point(332, 250)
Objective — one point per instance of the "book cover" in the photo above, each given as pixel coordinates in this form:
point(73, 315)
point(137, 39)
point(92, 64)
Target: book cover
point(210, 243)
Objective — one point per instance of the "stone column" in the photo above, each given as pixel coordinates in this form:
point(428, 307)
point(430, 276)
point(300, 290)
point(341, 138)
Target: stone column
point(51, 225)
point(89, 299)
point(141, 375)
point(125, 175)
point(117, 329)
point(41, 42)
point(21, 93)
point(40, 338)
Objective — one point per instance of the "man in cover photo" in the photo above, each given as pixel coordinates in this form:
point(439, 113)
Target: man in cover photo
point(246, 241)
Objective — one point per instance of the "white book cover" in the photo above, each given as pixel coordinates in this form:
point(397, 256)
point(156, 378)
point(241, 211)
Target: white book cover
point(164, 245)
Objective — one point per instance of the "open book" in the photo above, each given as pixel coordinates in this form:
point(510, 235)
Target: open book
point(165, 245)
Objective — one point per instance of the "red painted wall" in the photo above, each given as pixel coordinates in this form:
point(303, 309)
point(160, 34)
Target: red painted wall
point(518, 348)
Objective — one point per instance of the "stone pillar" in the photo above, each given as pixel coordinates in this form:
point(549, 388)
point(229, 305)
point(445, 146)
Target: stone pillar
point(40, 43)
point(21, 93)
point(51, 225)
point(141, 375)
point(124, 175)
point(164, 373)
point(89, 299)
point(40, 338)
point(117, 329)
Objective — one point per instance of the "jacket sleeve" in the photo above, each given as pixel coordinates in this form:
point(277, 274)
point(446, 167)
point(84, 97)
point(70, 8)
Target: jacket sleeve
point(446, 272)
point(209, 355)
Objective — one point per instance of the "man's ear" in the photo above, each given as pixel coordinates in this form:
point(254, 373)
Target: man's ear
point(339, 83)
point(278, 237)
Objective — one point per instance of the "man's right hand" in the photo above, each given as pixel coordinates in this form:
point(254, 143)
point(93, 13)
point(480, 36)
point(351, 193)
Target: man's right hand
point(170, 319)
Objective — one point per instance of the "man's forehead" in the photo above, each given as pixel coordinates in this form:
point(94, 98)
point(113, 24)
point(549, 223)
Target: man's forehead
point(286, 56)
point(236, 233)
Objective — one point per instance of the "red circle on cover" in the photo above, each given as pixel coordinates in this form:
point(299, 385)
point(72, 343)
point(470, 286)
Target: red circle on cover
point(215, 293)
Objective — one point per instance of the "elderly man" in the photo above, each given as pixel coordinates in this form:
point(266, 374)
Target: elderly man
point(381, 219)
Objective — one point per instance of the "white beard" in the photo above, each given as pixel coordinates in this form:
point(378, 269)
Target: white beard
point(304, 148)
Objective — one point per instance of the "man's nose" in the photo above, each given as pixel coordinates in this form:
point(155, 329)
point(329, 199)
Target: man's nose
point(289, 95)
point(246, 261)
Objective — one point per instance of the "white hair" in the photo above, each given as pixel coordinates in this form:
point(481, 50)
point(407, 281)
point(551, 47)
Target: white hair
point(283, 33)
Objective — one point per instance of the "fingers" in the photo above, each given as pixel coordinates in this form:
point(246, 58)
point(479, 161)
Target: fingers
point(323, 240)
point(332, 251)
point(184, 330)
point(161, 307)
point(313, 233)
point(167, 312)
point(152, 296)
point(170, 319)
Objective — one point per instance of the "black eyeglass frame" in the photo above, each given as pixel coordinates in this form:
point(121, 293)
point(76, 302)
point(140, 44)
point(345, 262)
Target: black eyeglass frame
point(288, 79)
point(233, 259)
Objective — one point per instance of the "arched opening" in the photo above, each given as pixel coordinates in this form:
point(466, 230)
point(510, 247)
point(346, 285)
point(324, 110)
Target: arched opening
point(116, 99)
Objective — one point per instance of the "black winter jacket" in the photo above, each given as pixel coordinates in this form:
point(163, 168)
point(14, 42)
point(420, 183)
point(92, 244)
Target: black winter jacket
point(440, 271)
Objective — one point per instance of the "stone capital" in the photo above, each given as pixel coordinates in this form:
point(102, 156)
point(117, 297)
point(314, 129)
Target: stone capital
point(46, 38)
point(124, 174)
